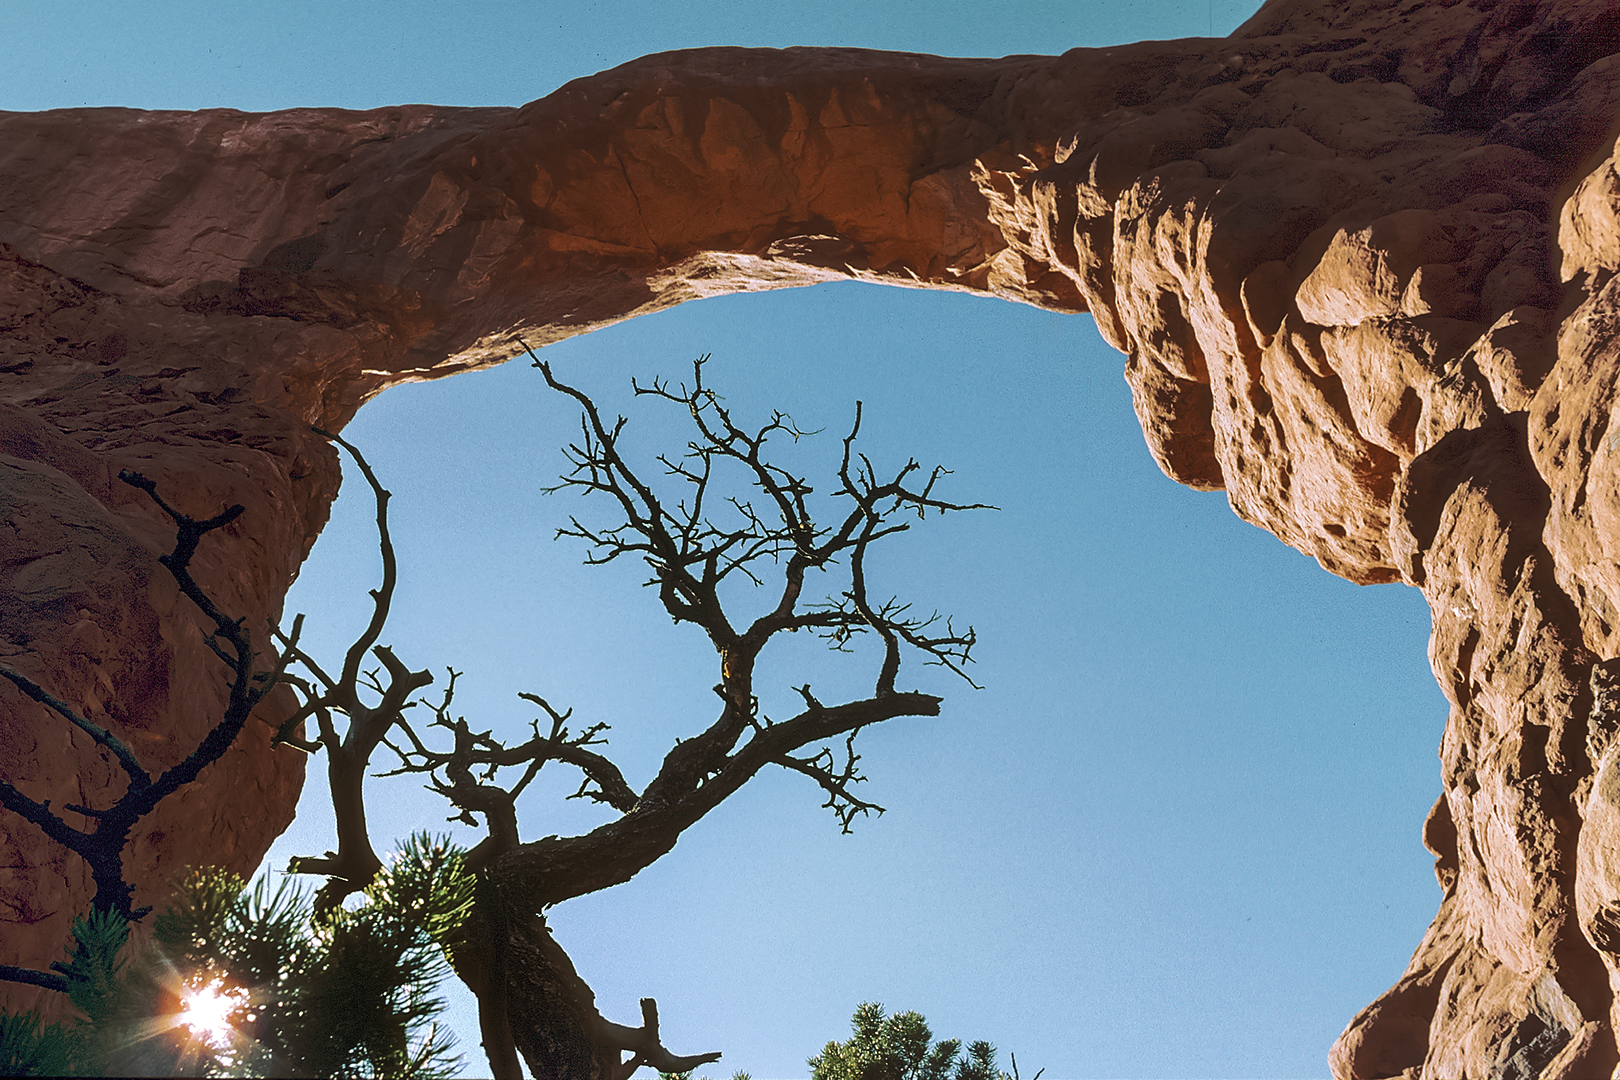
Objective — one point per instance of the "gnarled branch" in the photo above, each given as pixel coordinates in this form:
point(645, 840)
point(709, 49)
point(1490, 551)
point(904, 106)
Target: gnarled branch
point(102, 847)
point(693, 543)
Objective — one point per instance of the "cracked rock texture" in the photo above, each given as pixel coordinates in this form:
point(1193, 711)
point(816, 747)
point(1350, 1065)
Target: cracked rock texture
point(1361, 257)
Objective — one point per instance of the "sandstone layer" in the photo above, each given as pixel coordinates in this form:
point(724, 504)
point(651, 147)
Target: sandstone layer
point(1361, 257)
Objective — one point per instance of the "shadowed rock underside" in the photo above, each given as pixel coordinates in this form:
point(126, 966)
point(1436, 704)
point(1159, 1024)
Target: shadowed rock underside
point(1360, 256)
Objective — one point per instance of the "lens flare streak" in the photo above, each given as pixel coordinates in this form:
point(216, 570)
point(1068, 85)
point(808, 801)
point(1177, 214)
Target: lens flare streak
point(207, 1011)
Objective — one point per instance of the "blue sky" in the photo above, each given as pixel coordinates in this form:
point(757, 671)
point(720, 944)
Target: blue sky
point(1177, 834)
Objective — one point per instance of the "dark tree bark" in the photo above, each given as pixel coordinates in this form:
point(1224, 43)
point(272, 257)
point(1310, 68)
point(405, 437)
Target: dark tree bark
point(531, 1000)
point(102, 847)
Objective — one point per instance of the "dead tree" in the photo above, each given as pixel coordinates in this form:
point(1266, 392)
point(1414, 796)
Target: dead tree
point(371, 708)
point(531, 1000)
point(102, 847)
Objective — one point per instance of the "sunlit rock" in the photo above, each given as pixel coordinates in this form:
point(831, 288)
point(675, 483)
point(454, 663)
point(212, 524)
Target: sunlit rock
point(1361, 257)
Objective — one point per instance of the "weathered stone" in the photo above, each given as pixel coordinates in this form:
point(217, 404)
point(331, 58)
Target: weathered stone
point(1362, 257)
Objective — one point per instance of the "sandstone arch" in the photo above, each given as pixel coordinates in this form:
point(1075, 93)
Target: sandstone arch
point(1361, 258)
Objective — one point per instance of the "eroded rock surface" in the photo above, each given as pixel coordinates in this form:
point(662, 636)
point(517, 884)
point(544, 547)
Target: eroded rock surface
point(1361, 257)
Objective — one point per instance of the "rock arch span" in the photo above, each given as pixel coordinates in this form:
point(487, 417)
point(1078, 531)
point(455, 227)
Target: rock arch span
point(1360, 257)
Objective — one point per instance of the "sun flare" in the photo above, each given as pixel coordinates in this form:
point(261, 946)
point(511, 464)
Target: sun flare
point(207, 1009)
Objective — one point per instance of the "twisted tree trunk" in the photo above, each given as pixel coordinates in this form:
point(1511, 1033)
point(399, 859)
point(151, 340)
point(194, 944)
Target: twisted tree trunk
point(1362, 257)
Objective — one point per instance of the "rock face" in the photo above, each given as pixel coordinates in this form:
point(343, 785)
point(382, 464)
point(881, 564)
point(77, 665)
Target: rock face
point(1361, 256)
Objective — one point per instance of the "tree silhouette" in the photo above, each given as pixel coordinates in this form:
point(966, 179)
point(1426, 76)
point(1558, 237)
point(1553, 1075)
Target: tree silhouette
point(734, 516)
point(102, 847)
point(240, 982)
point(901, 1047)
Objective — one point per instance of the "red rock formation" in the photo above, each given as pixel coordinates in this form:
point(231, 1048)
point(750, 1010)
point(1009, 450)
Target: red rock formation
point(1361, 257)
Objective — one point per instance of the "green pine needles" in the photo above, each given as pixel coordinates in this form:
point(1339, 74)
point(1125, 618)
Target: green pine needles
point(239, 982)
point(901, 1047)
point(26, 1049)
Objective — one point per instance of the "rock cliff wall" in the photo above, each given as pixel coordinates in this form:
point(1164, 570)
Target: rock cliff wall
point(1361, 257)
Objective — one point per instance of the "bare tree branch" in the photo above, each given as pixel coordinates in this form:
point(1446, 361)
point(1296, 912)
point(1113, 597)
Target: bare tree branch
point(126, 757)
point(690, 554)
point(50, 980)
point(355, 863)
point(102, 847)
point(381, 596)
point(693, 542)
point(644, 1044)
point(840, 799)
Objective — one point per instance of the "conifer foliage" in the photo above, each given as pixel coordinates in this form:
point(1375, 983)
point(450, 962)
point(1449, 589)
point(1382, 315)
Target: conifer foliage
point(289, 993)
point(901, 1047)
point(269, 983)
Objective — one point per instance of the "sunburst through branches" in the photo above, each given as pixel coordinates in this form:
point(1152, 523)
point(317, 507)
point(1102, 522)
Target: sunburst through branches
point(207, 1010)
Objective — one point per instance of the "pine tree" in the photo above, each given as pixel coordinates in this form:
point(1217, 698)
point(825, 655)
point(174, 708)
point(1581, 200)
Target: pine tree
point(330, 990)
point(901, 1047)
point(26, 1049)
point(343, 994)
